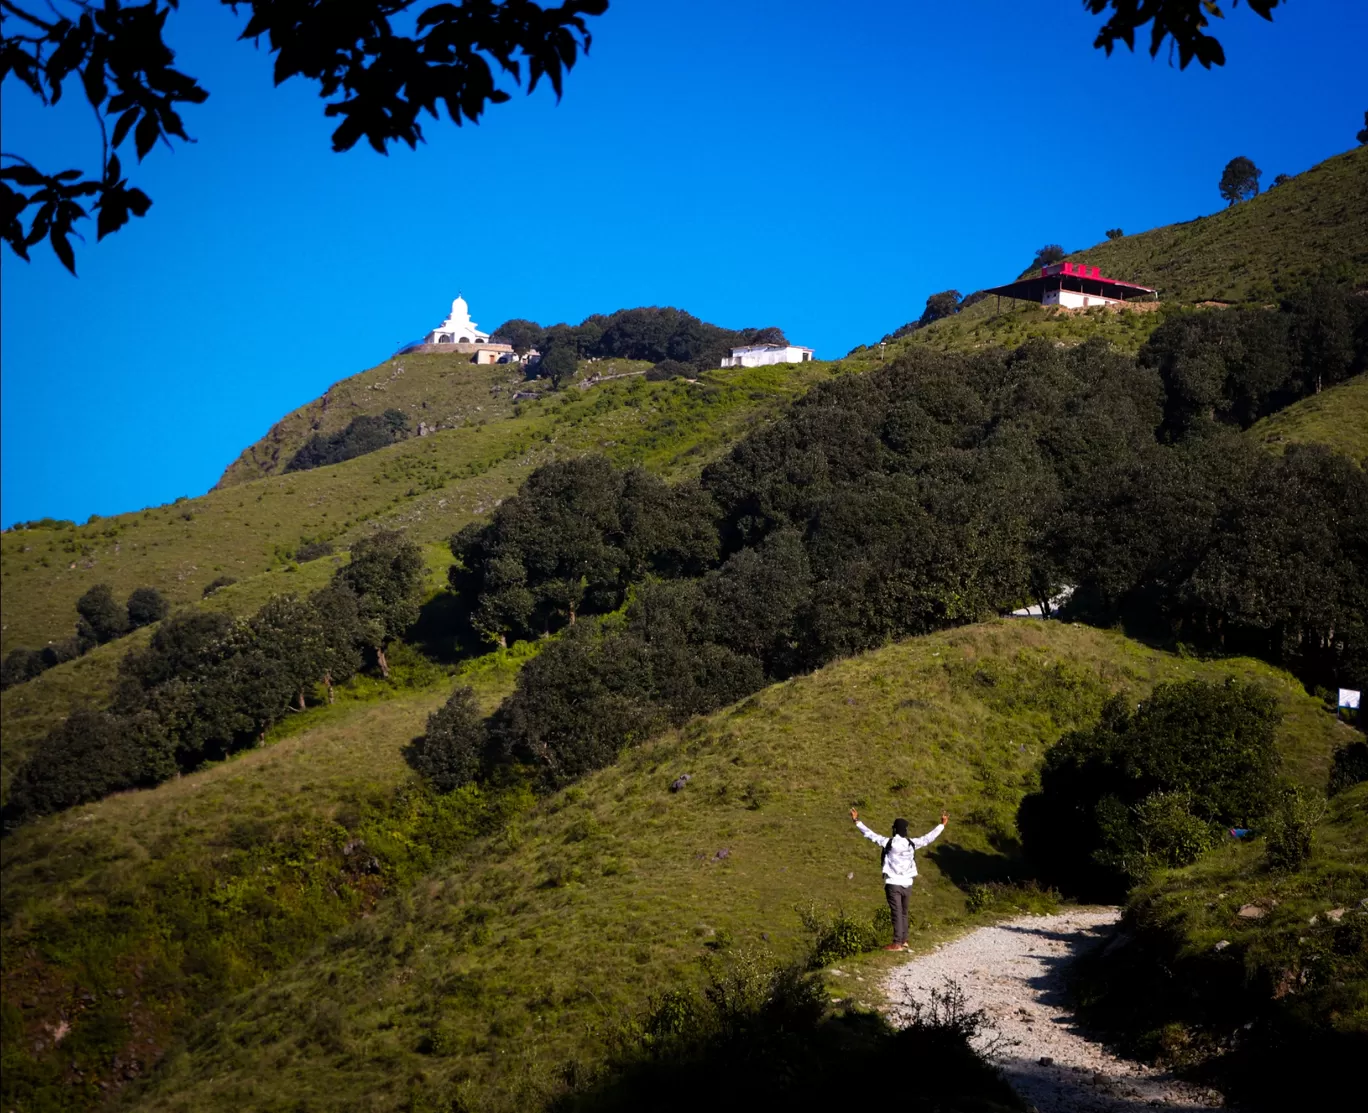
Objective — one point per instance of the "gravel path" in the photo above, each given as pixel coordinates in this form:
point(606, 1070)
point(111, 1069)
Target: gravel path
point(1014, 972)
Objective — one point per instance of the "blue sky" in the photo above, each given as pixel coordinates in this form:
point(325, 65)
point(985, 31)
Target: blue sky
point(815, 166)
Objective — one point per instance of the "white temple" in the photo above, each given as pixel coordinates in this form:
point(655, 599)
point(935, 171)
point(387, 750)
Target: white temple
point(458, 328)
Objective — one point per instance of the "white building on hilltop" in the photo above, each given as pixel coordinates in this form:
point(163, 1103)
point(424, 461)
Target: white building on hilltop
point(758, 355)
point(458, 328)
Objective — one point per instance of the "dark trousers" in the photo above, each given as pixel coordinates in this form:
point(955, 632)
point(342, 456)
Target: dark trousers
point(897, 904)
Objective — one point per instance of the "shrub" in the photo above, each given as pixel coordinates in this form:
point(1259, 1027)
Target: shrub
point(839, 934)
point(1135, 791)
point(216, 583)
point(669, 369)
point(145, 606)
point(1160, 832)
point(102, 617)
point(92, 754)
point(1290, 828)
point(363, 435)
point(1349, 767)
point(20, 665)
point(312, 550)
point(1114, 233)
point(450, 753)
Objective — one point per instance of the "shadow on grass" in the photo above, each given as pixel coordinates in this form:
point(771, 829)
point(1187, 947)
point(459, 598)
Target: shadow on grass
point(443, 631)
point(764, 1037)
point(966, 868)
point(800, 1068)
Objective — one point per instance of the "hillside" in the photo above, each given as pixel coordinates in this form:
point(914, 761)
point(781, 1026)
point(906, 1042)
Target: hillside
point(1337, 417)
point(30, 710)
point(488, 959)
point(430, 486)
point(1313, 225)
point(486, 442)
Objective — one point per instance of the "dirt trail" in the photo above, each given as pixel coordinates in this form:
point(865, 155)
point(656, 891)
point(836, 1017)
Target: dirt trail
point(1015, 973)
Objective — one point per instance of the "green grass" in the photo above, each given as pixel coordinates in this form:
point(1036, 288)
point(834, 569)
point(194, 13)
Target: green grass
point(1198, 975)
point(483, 981)
point(28, 711)
point(990, 325)
point(1337, 417)
point(131, 916)
point(429, 486)
point(1313, 224)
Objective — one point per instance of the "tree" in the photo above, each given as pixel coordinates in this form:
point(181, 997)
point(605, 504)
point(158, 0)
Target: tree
point(1362, 136)
point(368, 433)
point(1182, 22)
point(387, 575)
point(1239, 180)
point(19, 666)
point(1047, 256)
point(90, 755)
point(944, 304)
point(1281, 179)
point(145, 606)
point(1136, 790)
point(450, 752)
point(1114, 233)
point(102, 617)
point(373, 77)
point(521, 334)
point(557, 364)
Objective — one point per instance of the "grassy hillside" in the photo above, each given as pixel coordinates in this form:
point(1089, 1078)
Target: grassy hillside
point(482, 982)
point(28, 711)
point(1337, 417)
point(1316, 222)
point(430, 486)
point(127, 918)
point(445, 391)
point(1231, 995)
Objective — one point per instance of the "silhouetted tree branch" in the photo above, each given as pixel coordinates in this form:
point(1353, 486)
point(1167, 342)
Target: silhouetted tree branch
point(375, 80)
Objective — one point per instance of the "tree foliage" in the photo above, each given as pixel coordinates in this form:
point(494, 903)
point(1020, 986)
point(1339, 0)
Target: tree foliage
point(368, 433)
point(207, 684)
point(944, 304)
point(648, 333)
point(146, 605)
point(1180, 23)
point(451, 751)
point(377, 66)
point(102, 617)
point(1148, 788)
point(558, 364)
point(1115, 233)
point(1047, 256)
point(1239, 180)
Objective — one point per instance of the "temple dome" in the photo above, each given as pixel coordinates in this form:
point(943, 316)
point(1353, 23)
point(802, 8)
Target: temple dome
point(458, 328)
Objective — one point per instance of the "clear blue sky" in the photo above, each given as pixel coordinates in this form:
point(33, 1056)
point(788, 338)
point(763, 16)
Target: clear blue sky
point(815, 166)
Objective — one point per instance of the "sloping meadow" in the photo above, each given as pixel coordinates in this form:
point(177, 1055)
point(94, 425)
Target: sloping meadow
point(499, 981)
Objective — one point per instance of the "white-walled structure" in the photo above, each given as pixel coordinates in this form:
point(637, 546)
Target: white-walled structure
point(1073, 286)
point(458, 328)
point(758, 355)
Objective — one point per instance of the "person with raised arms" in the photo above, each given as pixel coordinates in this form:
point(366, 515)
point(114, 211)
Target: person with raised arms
point(899, 865)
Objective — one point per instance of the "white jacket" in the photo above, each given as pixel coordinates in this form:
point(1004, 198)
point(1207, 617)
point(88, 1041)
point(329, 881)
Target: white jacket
point(900, 863)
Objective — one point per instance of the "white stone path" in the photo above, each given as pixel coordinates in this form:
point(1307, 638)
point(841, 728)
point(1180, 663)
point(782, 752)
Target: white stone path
point(1015, 973)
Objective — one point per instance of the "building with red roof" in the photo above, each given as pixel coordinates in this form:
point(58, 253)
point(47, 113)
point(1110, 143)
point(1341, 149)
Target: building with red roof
point(1073, 286)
